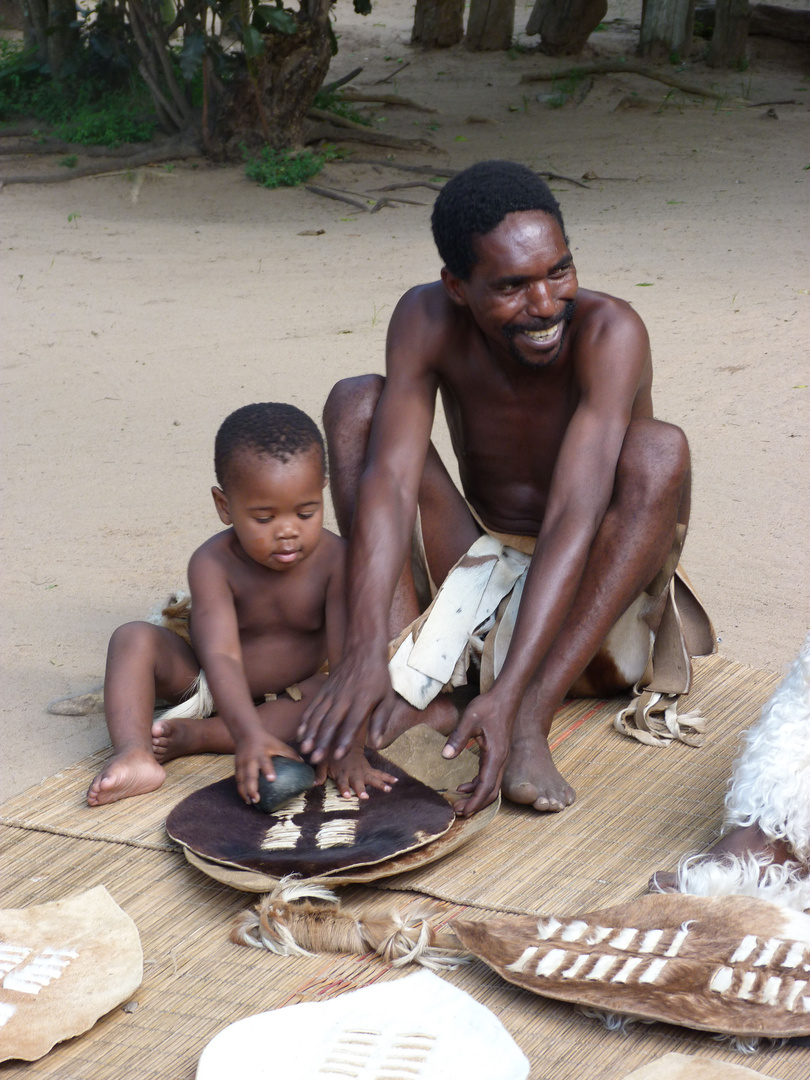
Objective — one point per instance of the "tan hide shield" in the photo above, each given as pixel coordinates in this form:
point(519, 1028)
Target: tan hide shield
point(63, 965)
point(733, 965)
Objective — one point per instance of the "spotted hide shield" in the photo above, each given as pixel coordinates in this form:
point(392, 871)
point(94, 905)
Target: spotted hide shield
point(733, 965)
point(316, 834)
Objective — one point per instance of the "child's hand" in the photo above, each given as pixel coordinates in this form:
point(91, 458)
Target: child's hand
point(254, 754)
point(352, 774)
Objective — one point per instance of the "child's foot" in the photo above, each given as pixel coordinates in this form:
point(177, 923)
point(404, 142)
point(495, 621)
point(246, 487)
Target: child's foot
point(179, 738)
point(353, 774)
point(740, 842)
point(132, 772)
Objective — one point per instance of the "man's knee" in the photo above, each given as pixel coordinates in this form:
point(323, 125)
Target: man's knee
point(654, 455)
point(352, 402)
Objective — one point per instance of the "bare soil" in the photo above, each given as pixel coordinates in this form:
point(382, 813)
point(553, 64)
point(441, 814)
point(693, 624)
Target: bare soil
point(138, 310)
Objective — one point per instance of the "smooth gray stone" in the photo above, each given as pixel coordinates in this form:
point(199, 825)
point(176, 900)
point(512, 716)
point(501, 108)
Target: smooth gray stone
point(292, 778)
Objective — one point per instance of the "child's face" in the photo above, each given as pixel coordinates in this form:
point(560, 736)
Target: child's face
point(276, 509)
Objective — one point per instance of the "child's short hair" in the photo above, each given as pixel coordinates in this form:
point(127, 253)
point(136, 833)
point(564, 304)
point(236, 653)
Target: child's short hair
point(266, 427)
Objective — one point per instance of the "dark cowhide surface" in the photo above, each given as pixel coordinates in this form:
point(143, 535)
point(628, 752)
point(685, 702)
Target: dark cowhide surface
point(316, 833)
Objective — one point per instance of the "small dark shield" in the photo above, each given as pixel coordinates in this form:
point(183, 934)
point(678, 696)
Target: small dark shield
point(316, 834)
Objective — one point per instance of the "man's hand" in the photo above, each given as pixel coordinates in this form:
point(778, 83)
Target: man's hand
point(254, 754)
point(489, 720)
point(352, 697)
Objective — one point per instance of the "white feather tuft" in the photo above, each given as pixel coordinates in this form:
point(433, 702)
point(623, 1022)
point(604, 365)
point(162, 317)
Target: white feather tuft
point(198, 703)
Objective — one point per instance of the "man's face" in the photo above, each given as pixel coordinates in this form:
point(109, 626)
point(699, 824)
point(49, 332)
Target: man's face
point(522, 291)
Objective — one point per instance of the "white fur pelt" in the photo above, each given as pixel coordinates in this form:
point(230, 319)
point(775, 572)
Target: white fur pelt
point(749, 875)
point(770, 785)
point(198, 703)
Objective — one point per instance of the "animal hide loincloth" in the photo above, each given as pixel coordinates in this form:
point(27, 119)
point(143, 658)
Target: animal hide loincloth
point(317, 834)
point(733, 965)
point(63, 965)
point(472, 618)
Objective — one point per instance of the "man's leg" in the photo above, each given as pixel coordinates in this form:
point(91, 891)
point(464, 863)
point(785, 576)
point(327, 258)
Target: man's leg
point(448, 527)
point(650, 498)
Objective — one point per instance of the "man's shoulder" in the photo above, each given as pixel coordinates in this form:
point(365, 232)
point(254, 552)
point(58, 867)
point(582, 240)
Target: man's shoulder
point(593, 306)
point(429, 300)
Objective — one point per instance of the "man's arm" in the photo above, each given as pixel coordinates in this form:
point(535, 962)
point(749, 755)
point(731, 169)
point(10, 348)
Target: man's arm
point(215, 637)
point(383, 522)
point(612, 367)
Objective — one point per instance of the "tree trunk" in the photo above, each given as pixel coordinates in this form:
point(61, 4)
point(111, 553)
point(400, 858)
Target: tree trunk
point(63, 34)
point(769, 20)
point(272, 108)
point(666, 28)
point(35, 27)
point(565, 25)
point(490, 25)
point(730, 33)
point(438, 23)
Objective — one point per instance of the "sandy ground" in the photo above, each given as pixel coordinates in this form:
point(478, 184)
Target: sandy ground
point(137, 315)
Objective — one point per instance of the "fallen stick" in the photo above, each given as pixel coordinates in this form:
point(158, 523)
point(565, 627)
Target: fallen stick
point(393, 74)
point(385, 99)
point(411, 184)
point(361, 133)
point(630, 68)
point(430, 170)
point(111, 166)
point(328, 193)
point(329, 88)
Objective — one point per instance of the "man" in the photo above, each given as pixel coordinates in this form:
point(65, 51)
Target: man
point(547, 392)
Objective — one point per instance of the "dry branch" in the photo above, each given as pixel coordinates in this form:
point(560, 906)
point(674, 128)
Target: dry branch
point(411, 184)
point(330, 193)
point(58, 146)
point(385, 99)
point(329, 88)
point(630, 68)
point(336, 127)
point(430, 170)
point(393, 74)
point(110, 165)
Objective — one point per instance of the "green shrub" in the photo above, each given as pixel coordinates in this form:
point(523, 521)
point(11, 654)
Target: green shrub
point(286, 168)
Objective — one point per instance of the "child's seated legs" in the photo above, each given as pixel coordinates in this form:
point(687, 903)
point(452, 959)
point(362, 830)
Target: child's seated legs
point(144, 661)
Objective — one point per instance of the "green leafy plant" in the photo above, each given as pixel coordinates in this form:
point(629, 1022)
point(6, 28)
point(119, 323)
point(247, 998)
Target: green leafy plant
point(286, 168)
point(332, 102)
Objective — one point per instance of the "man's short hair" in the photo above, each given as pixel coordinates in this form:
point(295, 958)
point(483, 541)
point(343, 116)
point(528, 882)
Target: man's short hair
point(476, 201)
point(268, 427)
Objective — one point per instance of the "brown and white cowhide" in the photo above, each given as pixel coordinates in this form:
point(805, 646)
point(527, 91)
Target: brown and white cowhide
point(732, 965)
point(316, 834)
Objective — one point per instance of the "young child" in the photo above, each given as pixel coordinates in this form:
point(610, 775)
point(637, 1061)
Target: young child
point(267, 611)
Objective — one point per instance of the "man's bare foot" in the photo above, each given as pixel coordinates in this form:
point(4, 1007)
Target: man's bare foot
point(531, 778)
point(132, 772)
point(442, 714)
point(740, 842)
point(179, 738)
point(353, 774)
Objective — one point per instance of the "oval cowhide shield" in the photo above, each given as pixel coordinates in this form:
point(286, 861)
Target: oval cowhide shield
point(316, 834)
point(732, 965)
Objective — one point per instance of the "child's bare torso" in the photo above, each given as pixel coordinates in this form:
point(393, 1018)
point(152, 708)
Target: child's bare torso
point(281, 614)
